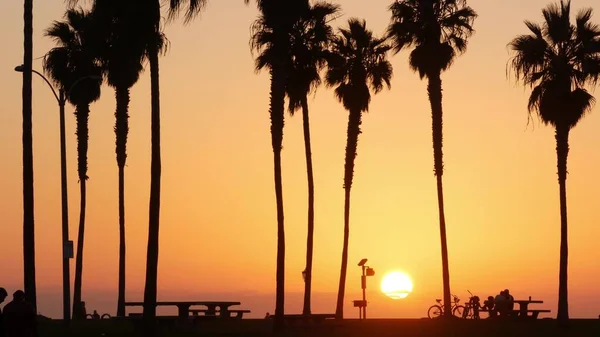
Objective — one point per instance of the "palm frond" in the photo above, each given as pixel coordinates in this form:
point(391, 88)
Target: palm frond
point(193, 8)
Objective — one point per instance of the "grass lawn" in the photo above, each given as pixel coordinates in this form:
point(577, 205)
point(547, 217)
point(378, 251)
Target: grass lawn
point(332, 328)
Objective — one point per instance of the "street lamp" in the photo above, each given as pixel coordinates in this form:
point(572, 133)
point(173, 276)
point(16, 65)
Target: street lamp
point(362, 304)
point(60, 98)
point(67, 244)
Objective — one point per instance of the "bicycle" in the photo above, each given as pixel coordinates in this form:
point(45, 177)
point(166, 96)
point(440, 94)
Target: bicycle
point(437, 310)
point(466, 311)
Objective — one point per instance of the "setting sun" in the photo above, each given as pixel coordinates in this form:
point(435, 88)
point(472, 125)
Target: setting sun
point(396, 285)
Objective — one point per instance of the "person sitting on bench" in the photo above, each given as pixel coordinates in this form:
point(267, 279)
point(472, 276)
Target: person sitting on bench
point(489, 306)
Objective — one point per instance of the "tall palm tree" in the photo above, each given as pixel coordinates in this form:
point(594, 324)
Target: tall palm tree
point(72, 62)
point(271, 38)
point(357, 65)
point(558, 59)
point(28, 214)
point(122, 55)
point(156, 42)
point(310, 39)
point(151, 17)
point(438, 30)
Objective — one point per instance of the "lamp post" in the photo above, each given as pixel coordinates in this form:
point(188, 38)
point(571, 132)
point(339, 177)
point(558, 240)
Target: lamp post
point(67, 246)
point(60, 98)
point(362, 304)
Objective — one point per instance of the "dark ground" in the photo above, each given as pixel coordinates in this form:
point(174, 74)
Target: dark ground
point(333, 328)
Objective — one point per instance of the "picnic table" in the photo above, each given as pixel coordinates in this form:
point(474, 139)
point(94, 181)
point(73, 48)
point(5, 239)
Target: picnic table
point(184, 307)
point(524, 308)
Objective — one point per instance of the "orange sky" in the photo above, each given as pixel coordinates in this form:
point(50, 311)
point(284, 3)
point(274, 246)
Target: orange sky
point(218, 225)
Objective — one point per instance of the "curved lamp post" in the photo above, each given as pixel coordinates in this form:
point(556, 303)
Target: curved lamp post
point(67, 244)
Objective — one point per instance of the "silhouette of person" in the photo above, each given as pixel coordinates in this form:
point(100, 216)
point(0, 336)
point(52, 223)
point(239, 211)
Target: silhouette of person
point(19, 317)
point(3, 295)
point(95, 315)
point(82, 314)
point(475, 302)
point(501, 303)
point(489, 306)
point(267, 315)
point(510, 301)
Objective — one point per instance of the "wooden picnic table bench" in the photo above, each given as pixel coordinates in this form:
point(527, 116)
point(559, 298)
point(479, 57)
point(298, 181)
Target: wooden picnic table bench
point(524, 311)
point(184, 307)
point(231, 313)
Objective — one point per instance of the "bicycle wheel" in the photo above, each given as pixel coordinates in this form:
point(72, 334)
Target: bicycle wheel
point(434, 311)
point(458, 311)
point(105, 316)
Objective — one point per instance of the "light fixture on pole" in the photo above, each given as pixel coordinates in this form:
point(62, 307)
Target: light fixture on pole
point(362, 304)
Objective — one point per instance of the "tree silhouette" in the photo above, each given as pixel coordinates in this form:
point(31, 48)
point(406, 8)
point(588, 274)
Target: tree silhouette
point(271, 38)
point(438, 30)
point(28, 197)
point(356, 66)
point(558, 59)
point(310, 38)
point(74, 67)
point(122, 54)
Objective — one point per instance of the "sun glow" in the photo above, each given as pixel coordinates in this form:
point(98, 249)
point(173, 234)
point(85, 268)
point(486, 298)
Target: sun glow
point(396, 285)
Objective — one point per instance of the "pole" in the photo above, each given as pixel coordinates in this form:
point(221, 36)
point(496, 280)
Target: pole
point(364, 287)
point(65, 212)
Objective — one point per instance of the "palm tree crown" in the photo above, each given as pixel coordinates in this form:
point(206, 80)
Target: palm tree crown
point(75, 57)
point(558, 59)
point(310, 39)
point(358, 62)
point(438, 29)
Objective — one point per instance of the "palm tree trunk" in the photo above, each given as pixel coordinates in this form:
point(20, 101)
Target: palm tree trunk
point(154, 209)
point(277, 121)
point(82, 116)
point(28, 197)
point(121, 130)
point(77, 307)
point(434, 90)
point(354, 122)
point(311, 210)
point(562, 152)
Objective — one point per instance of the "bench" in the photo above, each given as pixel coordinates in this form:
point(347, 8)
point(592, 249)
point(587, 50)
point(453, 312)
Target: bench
point(206, 312)
point(516, 313)
point(237, 313)
point(535, 313)
point(183, 308)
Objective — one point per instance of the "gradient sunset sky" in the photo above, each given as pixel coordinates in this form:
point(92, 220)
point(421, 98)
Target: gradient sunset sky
point(218, 224)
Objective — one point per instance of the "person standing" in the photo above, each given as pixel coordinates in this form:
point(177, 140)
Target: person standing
point(19, 317)
point(500, 303)
point(510, 301)
point(3, 295)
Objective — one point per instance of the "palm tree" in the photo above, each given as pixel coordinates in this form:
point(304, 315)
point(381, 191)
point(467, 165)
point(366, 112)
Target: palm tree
point(72, 62)
point(28, 214)
point(122, 57)
point(310, 38)
point(558, 59)
point(271, 38)
point(155, 44)
point(438, 30)
point(357, 65)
